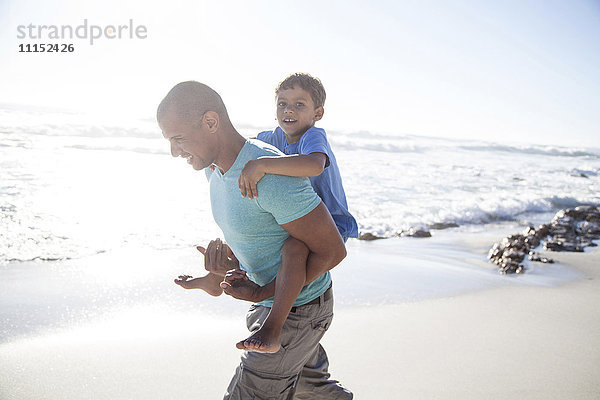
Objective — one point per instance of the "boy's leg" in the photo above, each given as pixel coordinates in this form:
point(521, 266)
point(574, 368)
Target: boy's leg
point(288, 284)
point(209, 283)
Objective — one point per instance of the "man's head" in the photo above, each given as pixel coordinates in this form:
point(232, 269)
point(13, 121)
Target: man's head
point(190, 116)
point(300, 99)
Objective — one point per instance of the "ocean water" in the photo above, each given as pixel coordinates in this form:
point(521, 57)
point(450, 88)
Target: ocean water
point(72, 186)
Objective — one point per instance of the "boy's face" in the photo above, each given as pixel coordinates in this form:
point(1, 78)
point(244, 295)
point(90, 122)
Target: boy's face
point(296, 112)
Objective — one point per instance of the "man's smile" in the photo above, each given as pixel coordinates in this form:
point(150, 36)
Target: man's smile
point(187, 156)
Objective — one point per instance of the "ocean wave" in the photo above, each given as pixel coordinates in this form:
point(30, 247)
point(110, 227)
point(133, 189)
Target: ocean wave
point(70, 124)
point(583, 173)
point(142, 150)
point(480, 214)
point(514, 211)
point(362, 134)
point(533, 150)
point(393, 183)
point(80, 130)
point(386, 147)
point(65, 124)
point(365, 140)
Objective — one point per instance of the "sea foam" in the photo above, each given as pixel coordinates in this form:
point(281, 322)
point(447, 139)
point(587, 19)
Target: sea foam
point(74, 185)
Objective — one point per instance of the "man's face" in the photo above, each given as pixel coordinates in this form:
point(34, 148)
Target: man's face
point(296, 112)
point(189, 140)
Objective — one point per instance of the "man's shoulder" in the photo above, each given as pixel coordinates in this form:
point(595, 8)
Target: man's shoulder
point(259, 148)
point(287, 198)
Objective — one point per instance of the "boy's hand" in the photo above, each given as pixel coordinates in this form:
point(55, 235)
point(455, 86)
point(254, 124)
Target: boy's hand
point(218, 257)
point(249, 177)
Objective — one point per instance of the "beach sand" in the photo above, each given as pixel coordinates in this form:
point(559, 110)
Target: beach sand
point(522, 342)
point(504, 338)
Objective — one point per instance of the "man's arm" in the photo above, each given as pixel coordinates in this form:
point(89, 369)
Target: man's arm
point(292, 165)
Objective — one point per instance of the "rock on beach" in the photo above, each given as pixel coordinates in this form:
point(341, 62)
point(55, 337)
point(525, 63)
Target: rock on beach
point(570, 230)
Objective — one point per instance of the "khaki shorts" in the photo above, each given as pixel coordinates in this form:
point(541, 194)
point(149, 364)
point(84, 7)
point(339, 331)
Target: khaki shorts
point(299, 369)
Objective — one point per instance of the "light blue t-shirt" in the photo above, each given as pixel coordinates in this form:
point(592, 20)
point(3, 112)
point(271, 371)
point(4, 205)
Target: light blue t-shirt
point(252, 227)
point(328, 184)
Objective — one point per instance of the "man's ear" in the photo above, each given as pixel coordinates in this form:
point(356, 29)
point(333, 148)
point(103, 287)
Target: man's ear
point(319, 111)
point(211, 119)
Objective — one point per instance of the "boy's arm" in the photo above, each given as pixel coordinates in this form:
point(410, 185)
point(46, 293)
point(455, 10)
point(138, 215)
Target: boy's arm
point(292, 165)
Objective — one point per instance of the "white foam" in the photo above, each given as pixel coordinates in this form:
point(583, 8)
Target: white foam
point(73, 186)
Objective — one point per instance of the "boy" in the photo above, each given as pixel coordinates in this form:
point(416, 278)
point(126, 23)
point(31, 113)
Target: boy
point(300, 99)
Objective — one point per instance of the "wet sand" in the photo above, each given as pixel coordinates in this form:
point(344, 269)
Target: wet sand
point(498, 338)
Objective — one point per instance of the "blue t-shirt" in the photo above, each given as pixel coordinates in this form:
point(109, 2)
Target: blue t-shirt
point(252, 227)
point(328, 184)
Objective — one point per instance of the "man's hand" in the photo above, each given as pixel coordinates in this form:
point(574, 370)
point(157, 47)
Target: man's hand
point(249, 177)
point(237, 285)
point(218, 257)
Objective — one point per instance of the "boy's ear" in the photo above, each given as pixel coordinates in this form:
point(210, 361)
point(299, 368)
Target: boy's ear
point(319, 111)
point(211, 118)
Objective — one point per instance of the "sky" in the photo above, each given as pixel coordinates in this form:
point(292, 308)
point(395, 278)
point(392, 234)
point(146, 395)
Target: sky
point(518, 71)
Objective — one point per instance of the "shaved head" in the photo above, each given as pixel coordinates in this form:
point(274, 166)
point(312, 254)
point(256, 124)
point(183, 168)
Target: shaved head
point(189, 101)
point(194, 120)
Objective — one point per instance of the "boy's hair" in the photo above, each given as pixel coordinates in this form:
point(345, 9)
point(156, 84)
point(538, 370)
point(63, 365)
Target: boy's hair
point(307, 82)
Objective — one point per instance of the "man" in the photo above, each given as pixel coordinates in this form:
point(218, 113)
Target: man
point(193, 118)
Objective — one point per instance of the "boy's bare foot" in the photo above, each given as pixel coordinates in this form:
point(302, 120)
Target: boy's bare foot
point(189, 282)
point(261, 341)
point(213, 291)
